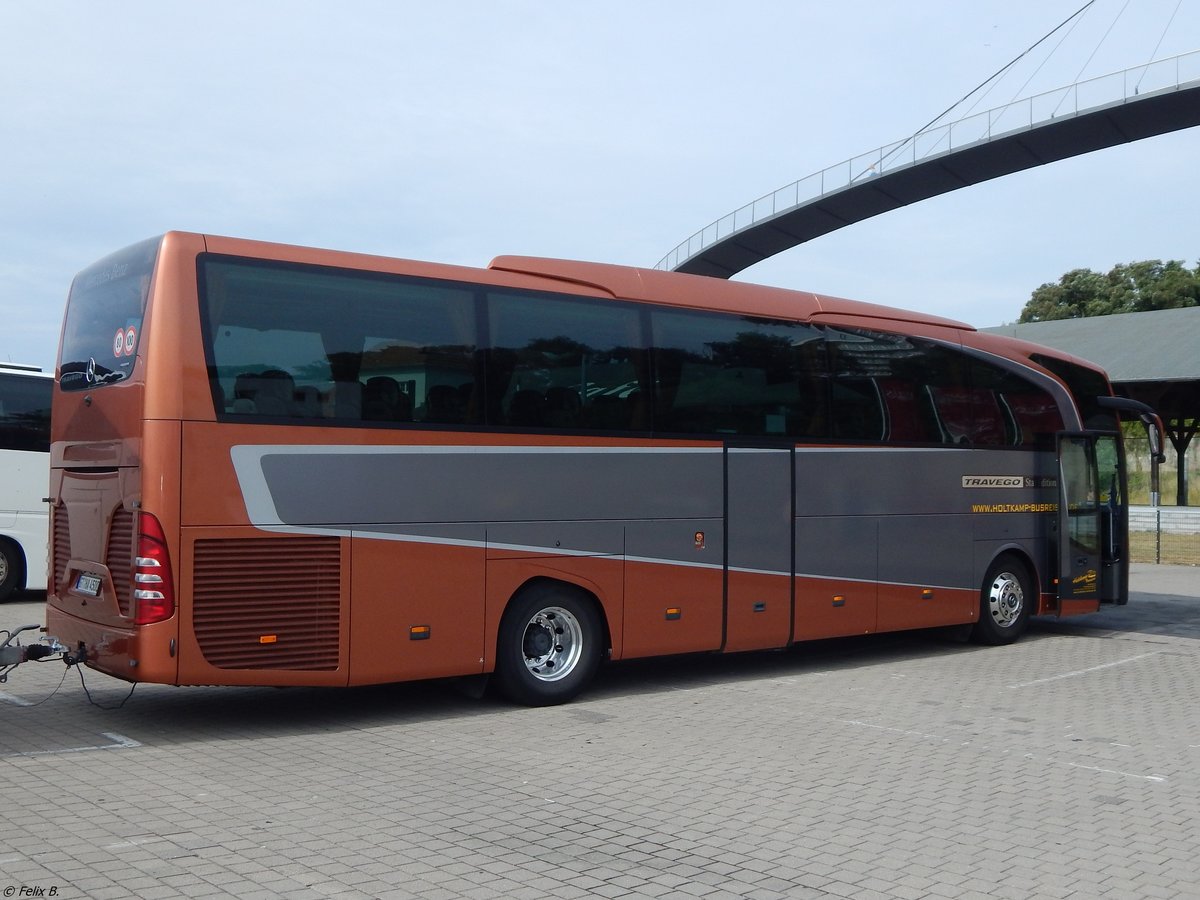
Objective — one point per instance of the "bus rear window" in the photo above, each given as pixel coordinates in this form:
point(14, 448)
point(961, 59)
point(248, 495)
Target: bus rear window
point(104, 318)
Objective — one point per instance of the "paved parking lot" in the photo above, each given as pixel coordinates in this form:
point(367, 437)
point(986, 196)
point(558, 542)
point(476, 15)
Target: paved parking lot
point(903, 766)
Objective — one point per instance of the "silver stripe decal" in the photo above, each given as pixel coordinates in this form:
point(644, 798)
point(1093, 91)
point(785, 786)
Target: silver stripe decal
point(932, 587)
point(263, 513)
point(257, 451)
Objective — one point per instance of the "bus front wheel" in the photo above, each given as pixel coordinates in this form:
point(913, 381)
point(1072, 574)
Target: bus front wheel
point(548, 647)
point(12, 569)
point(1005, 602)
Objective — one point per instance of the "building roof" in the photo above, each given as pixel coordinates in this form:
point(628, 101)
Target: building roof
point(1163, 345)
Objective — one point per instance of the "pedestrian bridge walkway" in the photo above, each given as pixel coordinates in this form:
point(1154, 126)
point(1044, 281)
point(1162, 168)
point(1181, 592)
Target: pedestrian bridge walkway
point(1102, 112)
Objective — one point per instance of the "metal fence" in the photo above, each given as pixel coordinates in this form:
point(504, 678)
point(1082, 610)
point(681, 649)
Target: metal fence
point(1165, 534)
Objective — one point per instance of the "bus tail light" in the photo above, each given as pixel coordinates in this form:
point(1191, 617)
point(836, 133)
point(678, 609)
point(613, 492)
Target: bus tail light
point(153, 586)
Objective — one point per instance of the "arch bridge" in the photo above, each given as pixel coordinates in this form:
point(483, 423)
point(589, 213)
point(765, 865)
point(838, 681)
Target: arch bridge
point(1119, 108)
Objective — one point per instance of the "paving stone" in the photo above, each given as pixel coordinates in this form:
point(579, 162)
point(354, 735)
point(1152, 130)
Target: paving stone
point(902, 766)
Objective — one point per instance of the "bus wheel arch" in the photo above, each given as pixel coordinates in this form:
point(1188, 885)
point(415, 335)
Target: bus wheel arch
point(12, 568)
point(1007, 598)
point(551, 639)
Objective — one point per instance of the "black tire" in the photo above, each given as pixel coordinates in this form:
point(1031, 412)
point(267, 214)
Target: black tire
point(549, 645)
point(1006, 601)
point(12, 569)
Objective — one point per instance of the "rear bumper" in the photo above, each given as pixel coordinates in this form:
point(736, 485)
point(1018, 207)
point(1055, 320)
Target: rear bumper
point(146, 653)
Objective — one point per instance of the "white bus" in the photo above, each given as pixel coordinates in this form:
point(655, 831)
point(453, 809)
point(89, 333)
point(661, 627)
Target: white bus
point(25, 393)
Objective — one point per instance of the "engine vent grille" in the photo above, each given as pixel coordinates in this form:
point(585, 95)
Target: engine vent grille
point(61, 548)
point(268, 603)
point(119, 558)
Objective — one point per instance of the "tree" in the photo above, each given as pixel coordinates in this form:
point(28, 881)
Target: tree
point(1127, 287)
point(1153, 284)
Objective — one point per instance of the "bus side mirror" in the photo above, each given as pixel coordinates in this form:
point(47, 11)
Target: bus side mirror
point(1154, 426)
point(1154, 433)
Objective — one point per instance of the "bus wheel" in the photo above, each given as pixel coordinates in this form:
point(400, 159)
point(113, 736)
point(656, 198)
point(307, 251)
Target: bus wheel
point(1005, 602)
point(12, 569)
point(549, 645)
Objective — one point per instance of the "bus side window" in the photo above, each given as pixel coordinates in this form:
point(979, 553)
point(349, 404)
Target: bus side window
point(562, 363)
point(1035, 416)
point(726, 374)
point(329, 333)
point(1011, 410)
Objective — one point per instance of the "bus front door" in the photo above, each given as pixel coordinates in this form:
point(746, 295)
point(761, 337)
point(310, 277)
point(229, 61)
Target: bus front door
point(1081, 547)
point(758, 562)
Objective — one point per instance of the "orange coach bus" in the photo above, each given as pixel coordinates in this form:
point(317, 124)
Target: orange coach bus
point(274, 465)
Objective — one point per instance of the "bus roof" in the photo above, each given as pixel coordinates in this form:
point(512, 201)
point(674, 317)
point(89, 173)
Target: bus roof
point(702, 292)
point(604, 279)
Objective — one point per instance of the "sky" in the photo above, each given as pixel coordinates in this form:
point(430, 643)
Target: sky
point(608, 131)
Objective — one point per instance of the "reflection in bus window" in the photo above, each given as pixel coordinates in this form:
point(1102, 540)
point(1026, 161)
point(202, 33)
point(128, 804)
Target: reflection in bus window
point(562, 363)
point(723, 374)
point(298, 343)
point(301, 343)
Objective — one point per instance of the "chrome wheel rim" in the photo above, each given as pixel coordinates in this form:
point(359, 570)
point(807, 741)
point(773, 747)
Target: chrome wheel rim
point(3, 567)
point(552, 644)
point(1006, 599)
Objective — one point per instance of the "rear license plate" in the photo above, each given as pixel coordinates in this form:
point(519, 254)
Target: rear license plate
point(88, 584)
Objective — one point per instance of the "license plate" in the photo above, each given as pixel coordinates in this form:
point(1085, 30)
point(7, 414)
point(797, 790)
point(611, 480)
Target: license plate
point(88, 584)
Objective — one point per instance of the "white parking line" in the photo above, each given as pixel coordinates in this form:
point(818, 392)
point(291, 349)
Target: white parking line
point(119, 742)
point(941, 739)
point(1110, 665)
point(1155, 778)
point(9, 698)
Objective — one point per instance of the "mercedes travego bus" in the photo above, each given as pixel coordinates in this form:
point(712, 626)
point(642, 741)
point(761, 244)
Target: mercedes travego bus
point(275, 465)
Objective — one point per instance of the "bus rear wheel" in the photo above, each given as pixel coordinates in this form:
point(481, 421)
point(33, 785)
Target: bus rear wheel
point(1005, 602)
point(12, 569)
point(548, 647)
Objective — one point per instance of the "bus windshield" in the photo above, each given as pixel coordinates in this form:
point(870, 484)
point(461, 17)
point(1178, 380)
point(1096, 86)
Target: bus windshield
point(104, 318)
